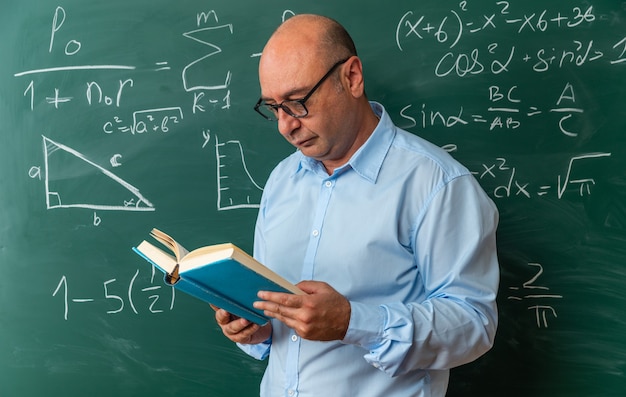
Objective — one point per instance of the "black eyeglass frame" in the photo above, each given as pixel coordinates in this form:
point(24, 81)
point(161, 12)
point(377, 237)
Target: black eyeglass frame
point(301, 101)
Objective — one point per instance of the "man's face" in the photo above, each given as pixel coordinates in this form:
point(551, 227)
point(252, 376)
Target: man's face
point(324, 134)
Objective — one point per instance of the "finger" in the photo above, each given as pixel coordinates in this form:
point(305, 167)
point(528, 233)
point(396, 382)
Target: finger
point(238, 326)
point(282, 299)
point(282, 313)
point(270, 307)
point(314, 287)
point(240, 331)
point(222, 317)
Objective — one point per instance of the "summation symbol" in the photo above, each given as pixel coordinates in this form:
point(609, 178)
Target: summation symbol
point(198, 36)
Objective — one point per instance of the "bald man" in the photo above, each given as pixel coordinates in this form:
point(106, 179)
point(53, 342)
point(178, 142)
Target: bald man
point(392, 240)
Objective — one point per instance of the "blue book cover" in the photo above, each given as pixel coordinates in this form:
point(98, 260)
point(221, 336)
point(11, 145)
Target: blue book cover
point(222, 275)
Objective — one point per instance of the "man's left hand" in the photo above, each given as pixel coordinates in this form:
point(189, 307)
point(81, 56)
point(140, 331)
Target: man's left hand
point(323, 314)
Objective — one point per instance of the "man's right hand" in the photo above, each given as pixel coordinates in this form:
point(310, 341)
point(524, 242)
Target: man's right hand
point(240, 330)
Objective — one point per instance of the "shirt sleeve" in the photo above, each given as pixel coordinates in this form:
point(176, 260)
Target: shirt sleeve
point(260, 351)
point(455, 252)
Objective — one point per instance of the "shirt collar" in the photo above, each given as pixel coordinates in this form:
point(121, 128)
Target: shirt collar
point(368, 159)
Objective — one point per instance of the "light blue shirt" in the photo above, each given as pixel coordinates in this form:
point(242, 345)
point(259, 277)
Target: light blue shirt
point(408, 236)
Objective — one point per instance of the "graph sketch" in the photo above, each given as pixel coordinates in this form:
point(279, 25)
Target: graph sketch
point(235, 186)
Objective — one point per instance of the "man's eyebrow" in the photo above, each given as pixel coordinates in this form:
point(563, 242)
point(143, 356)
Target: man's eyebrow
point(295, 93)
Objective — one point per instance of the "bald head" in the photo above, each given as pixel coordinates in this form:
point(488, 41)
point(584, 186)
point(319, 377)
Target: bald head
point(313, 34)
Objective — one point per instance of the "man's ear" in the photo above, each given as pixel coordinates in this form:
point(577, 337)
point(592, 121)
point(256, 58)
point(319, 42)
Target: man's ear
point(353, 72)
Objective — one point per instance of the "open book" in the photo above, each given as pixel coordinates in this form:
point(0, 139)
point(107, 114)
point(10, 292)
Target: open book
point(222, 274)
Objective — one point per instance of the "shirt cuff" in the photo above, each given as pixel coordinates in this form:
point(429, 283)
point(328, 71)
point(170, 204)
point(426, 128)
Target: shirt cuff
point(366, 325)
point(260, 351)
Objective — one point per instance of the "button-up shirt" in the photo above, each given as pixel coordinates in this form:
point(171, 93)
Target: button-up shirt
point(407, 235)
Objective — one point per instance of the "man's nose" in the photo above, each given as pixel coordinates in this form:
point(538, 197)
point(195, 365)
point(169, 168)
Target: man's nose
point(286, 123)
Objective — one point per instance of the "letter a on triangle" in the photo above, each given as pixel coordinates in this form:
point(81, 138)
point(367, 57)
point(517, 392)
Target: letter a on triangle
point(73, 181)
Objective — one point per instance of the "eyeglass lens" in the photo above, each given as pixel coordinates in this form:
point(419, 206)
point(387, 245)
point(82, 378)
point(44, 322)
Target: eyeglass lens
point(296, 107)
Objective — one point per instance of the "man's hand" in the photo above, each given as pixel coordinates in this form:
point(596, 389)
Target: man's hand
point(323, 314)
point(240, 330)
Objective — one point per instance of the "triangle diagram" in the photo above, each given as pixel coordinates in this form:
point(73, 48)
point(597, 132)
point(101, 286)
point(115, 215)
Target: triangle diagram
point(73, 181)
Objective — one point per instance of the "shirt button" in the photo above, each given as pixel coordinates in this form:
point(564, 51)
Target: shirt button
point(291, 392)
point(316, 233)
point(328, 184)
point(294, 338)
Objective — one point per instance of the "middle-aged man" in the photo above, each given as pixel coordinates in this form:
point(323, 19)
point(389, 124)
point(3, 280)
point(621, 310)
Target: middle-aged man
point(392, 239)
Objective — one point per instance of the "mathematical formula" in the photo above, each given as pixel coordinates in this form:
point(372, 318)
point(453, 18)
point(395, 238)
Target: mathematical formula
point(120, 295)
point(575, 178)
point(507, 111)
point(495, 58)
point(539, 295)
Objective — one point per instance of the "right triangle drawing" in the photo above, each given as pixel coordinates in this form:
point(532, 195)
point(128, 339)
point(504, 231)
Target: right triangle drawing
point(73, 181)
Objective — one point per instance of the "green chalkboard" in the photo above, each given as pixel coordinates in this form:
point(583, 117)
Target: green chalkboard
point(119, 116)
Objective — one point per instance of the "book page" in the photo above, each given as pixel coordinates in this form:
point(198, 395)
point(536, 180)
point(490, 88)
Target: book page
point(178, 250)
point(157, 257)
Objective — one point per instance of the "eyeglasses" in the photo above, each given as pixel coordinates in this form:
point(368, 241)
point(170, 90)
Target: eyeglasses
point(293, 107)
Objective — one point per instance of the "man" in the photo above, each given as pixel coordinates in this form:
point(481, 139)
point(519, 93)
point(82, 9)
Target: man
point(395, 240)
